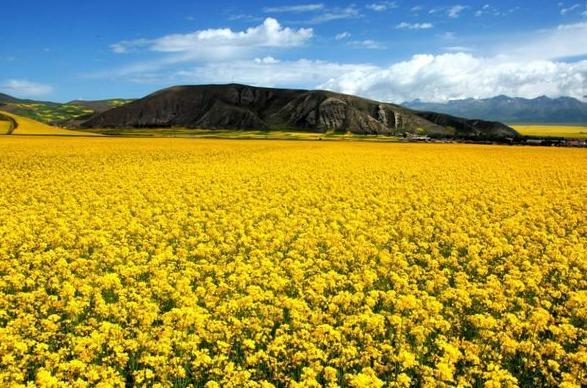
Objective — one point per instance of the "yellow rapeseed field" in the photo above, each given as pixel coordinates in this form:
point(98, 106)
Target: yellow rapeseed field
point(572, 131)
point(5, 126)
point(182, 262)
point(28, 126)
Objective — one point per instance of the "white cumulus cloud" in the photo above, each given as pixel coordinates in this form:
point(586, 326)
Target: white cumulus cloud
point(460, 75)
point(222, 42)
point(267, 60)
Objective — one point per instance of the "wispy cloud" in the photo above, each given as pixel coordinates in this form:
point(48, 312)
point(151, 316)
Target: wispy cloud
point(414, 26)
point(382, 6)
point(332, 14)
point(561, 42)
point(343, 35)
point(126, 46)
point(25, 88)
point(453, 11)
point(460, 49)
point(269, 72)
point(367, 44)
point(456, 10)
point(318, 12)
point(246, 18)
point(567, 10)
point(490, 10)
point(487, 10)
point(448, 35)
point(298, 8)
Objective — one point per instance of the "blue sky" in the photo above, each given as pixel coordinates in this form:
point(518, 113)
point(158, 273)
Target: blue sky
point(388, 50)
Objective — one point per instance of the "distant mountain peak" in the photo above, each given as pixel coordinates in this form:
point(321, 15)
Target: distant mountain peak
point(542, 109)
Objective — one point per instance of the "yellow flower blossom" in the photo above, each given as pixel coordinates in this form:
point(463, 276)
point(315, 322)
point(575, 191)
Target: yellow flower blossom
point(185, 262)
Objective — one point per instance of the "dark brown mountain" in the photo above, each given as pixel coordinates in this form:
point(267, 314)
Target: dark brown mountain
point(245, 107)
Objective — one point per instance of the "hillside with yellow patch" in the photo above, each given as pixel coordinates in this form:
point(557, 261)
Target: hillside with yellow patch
point(28, 126)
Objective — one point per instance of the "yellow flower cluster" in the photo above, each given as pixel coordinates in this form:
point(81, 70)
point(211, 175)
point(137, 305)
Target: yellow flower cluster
point(177, 262)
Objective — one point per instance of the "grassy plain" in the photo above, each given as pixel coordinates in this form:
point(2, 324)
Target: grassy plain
point(568, 131)
point(235, 134)
point(188, 262)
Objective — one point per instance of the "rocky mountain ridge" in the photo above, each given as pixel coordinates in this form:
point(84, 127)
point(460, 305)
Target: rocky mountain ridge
point(540, 110)
point(244, 107)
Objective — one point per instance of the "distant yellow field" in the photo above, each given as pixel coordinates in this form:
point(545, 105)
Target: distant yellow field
point(574, 131)
point(28, 126)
